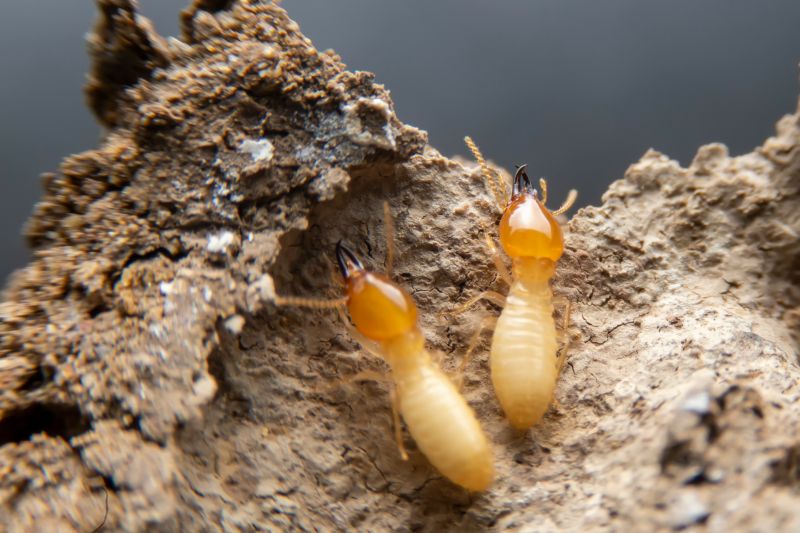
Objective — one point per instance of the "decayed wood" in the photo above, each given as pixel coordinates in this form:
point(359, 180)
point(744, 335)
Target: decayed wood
point(140, 359)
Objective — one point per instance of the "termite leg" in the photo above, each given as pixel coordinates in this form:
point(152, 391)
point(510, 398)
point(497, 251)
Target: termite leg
point(373, 375)
point(368, 344)
point(398, 430)
point(437, 356)
point(562, 358)
point(363, 375)
point(367, 375)
point(560, 301)
point(492, 296)
point(388, 226)
point(505, 275)
point(487, 322)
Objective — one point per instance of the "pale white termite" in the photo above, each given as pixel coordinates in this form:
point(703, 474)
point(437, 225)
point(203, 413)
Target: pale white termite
point(523, 358)
point(437, 416)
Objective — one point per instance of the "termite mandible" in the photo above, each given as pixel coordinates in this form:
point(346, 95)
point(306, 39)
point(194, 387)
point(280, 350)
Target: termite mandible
point(437, 416)
point(523, 358)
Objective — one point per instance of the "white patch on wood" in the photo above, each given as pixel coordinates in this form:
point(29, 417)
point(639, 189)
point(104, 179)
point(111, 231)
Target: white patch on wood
point(259, 150)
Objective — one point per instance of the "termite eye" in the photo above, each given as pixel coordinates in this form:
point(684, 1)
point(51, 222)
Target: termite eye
point(380, 309)
point(528, 229)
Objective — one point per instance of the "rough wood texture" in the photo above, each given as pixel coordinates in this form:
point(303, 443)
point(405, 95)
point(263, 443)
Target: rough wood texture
point(139, 360)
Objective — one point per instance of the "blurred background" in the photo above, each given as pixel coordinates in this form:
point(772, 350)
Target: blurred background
point(578, 89)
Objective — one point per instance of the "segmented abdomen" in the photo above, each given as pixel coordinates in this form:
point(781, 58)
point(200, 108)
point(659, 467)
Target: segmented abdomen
point(523, 356)
point(444, 427)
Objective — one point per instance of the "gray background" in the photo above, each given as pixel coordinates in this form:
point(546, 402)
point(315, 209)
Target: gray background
point(578, 89)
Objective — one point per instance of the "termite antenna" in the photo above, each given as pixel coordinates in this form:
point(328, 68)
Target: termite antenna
point(522, 183)
point(269, 294)
point(499, 192)
point(571, 197)
point(348, 262)
point(543, 186)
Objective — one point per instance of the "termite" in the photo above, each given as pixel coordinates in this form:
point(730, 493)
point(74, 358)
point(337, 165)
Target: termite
point(437, 416)
point(523, 358)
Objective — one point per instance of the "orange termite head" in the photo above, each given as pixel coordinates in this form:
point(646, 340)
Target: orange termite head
point(528, 229)
point(380, 309)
